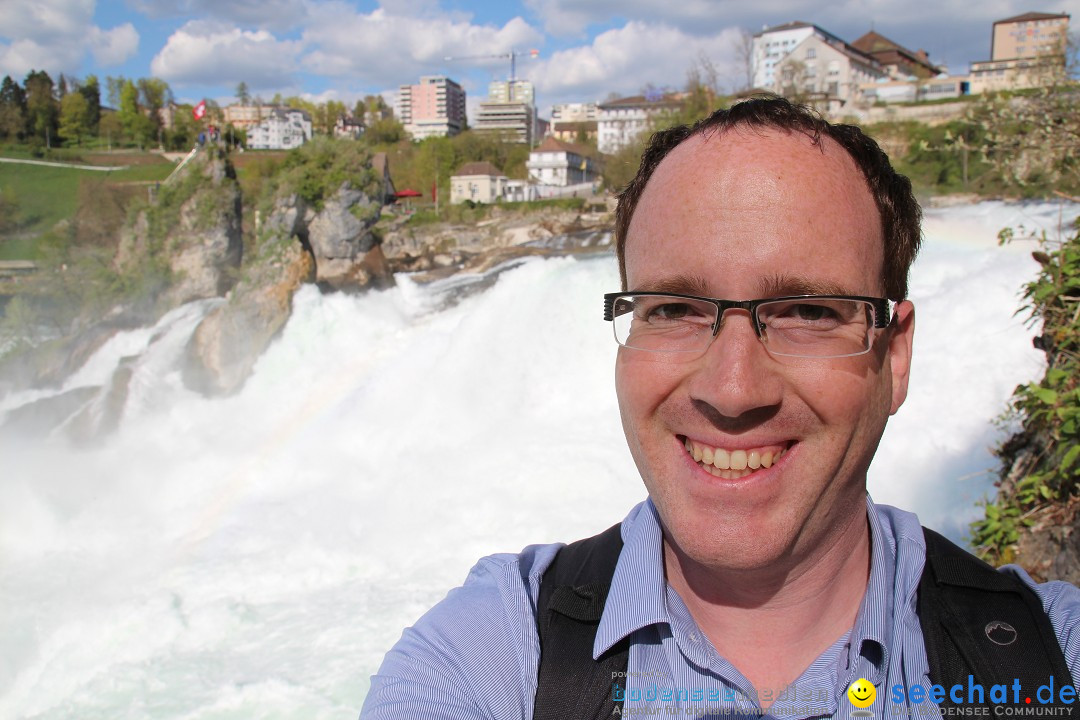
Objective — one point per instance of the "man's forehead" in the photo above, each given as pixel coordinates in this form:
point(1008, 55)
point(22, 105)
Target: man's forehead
point(729, 202)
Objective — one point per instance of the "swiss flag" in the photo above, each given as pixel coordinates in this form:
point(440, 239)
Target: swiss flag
point(199, 111)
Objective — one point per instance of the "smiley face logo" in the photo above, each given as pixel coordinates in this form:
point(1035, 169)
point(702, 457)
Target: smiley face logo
point(861, 693)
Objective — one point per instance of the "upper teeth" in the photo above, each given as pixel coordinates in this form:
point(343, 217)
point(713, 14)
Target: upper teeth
point(722, 459)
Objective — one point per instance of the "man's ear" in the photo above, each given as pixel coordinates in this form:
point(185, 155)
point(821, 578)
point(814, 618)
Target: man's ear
point(901, 334)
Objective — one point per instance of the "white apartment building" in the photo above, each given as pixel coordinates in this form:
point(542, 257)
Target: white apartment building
point(558, 163)
point(772, 45)
point(433, 108)
point(620, 122)
point(829, 73)
point(284, 129)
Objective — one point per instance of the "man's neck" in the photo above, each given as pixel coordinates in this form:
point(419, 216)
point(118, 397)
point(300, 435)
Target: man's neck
point(773, 623)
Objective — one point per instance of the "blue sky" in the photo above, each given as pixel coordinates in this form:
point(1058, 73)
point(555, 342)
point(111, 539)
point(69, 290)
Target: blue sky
point(345, 49)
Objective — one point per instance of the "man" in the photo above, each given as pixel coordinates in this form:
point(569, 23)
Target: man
point(765, 340)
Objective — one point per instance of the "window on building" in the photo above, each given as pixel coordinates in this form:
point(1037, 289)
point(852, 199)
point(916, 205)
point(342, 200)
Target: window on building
point(811, 53)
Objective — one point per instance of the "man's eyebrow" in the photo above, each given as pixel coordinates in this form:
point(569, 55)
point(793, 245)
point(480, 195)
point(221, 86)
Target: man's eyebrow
point(678, 285)
point(781, 285)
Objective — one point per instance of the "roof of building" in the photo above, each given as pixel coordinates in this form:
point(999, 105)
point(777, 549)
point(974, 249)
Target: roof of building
point(889, 52)
point(554, 144)
point(1033, 16)
point(478, 168)
point(794, 25)
point(665, 100)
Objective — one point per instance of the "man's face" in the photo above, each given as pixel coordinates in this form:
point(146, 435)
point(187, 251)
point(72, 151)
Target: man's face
point(743, 215)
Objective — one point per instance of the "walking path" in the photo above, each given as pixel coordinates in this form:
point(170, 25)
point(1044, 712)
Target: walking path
point(100, 168)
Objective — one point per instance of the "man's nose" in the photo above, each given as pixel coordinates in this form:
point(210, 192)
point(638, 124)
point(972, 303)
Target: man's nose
point(736, 375)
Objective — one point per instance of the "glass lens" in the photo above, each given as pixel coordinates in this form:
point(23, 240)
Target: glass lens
point(663, 323)
point(817, 327)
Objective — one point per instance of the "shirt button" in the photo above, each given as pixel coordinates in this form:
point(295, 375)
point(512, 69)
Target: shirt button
point(694, 637)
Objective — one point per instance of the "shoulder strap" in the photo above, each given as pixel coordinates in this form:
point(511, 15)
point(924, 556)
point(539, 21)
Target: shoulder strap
point(982, 623)
point(570, 684)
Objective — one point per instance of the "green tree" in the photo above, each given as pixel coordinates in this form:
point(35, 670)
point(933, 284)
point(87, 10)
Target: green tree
point(12, 110)
point(111, 128)
point(154, 96)
point(92, 92)
point(242, 94)
point(114, 86)
point(138, 128)
point(41, 106)
point(74, 118)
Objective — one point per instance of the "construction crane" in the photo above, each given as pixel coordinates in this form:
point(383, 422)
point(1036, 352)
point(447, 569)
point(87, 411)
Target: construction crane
point(513, 55)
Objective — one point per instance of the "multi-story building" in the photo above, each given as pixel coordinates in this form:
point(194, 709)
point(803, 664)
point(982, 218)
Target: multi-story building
point(1024, 50)
point(573, 122)
point(246, 116)
point(802, 60)
point(619, 122)
point(555, 162)
point(773, 44)
point(284, 129)
point(512, 91)
point(826, 73)
point(510, 111)
point(433, 108)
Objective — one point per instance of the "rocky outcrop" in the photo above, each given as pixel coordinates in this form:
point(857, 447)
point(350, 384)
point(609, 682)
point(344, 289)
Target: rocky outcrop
point(191, 234)
point(227, 343)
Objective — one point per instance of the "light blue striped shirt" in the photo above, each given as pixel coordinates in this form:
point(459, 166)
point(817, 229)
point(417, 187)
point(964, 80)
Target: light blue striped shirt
point(476, 653)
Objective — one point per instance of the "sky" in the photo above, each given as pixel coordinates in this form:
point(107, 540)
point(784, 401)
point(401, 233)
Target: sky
point(589, 50)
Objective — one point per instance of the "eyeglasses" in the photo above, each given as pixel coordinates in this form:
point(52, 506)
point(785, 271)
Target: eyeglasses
point(815, 326)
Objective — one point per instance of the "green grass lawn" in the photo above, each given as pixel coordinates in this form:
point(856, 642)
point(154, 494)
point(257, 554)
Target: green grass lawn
point(44, 196)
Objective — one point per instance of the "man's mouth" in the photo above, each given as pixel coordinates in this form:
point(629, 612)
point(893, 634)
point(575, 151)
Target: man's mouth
point(732, 464)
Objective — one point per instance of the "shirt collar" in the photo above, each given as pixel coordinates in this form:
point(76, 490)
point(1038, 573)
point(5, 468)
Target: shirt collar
point(636, 598)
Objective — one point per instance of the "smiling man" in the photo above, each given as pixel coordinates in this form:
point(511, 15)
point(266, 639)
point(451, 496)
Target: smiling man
point(765, 339)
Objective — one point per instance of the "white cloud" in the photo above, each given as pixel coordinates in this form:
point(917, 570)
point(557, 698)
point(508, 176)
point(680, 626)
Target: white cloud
point(273, 14)
point(113, 47)
point(56, 35)
point(624, 60)
point(213, 53)
point(384, 48)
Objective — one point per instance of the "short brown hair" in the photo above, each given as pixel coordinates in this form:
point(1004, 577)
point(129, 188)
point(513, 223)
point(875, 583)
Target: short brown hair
point(899, 210)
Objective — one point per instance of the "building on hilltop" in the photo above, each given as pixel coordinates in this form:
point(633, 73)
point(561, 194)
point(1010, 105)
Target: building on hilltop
point(619, 122)
point(574, 122)
point(348, 127)
point(561, 164)
point(284, 129)
point(1024, 51)
point(479, 182)
point(899, 62)
point(805, 62)
point(246, 116)
point(433, 108)
point(510, 111)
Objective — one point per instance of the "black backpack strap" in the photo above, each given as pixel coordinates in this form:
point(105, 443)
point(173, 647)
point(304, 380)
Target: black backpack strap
point(570, 684)
point(980, 622)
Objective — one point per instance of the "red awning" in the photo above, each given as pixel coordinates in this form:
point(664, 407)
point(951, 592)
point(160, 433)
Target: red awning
point(407, 193)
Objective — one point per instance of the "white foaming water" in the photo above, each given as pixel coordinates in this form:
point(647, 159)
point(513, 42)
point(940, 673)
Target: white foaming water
point(255, 556)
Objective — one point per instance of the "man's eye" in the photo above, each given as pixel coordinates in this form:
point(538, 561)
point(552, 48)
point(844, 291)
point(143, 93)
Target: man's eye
point(671, 311)
point(812, 312)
